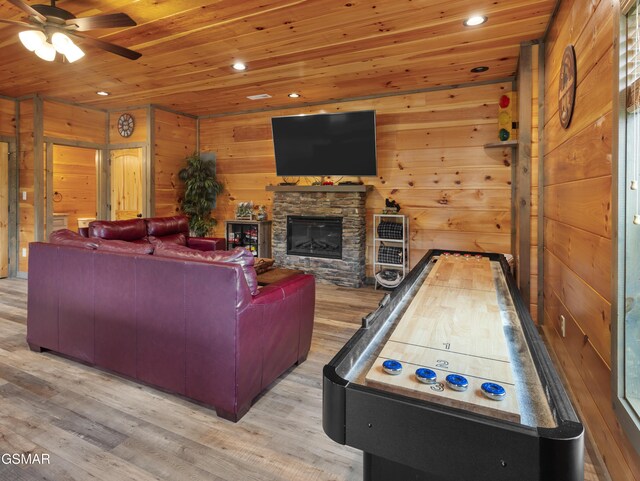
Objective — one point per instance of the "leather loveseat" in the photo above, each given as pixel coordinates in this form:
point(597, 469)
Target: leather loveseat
point(186, 324)
point(152, 230)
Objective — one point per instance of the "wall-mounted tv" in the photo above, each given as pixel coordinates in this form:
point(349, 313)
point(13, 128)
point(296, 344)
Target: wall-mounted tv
point(325, 144)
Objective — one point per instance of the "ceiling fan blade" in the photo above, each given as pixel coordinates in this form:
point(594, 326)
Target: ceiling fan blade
point(20, 24)
point(30, 10)
point(109, 47)
point(102, 21)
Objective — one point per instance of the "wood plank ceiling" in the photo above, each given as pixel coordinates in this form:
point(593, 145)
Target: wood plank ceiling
point(324, 49)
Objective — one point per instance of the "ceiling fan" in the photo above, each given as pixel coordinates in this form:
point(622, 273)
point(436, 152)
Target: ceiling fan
point(49, 21)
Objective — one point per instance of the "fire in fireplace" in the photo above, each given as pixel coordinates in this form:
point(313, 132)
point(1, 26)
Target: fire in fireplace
point(314, 236)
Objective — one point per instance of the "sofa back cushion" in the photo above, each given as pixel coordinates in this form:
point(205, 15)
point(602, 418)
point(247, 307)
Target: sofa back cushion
point(179, 239)
point(126, 230)
point(162, 226)
point(69, 238)
point(109, 245)
point(239, 255)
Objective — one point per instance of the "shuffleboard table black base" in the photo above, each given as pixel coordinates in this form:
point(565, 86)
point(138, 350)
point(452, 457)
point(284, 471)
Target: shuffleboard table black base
point(376, 468)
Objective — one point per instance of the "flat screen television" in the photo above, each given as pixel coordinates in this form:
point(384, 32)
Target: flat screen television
point(325, 144)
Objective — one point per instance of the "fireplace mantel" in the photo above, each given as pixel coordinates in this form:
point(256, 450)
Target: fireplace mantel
point(319, 188)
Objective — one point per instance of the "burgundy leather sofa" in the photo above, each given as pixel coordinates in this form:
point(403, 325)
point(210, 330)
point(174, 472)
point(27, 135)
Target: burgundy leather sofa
point(152, 230)
point(187, 326)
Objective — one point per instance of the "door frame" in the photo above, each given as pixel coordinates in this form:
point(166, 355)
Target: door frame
point(13, 189)
point(48, 144)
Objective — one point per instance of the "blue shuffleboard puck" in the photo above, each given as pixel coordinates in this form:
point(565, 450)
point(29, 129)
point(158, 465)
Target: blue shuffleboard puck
point(391, 366)
point(426, 376)
point(457, 382)
point(493, 391)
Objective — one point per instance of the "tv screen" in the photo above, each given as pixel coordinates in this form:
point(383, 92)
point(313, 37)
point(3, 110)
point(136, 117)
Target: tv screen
point(325, 144)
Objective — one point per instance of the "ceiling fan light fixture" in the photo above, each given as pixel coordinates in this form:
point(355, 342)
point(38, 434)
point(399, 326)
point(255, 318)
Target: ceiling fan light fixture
point(32, 39)
point(239, 66)
point(65, 46)
point(73, 53)
point(46, 52)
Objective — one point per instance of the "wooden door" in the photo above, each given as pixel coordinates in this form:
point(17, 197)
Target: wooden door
point(127, 199)
point(4, 209)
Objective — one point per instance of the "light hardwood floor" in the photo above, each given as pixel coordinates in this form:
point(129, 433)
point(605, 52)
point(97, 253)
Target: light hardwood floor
point(99, 426)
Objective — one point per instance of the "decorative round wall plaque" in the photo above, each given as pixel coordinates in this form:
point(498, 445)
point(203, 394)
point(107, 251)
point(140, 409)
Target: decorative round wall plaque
point(125, 125)
point(567, 86)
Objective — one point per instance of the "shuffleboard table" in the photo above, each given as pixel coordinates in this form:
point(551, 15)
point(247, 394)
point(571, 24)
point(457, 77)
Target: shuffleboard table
point(448, 380)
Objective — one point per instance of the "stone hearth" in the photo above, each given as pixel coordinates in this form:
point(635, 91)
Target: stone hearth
point(347, 202)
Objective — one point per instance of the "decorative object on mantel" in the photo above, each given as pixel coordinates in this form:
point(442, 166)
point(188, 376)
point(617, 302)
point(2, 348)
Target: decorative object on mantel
point(290, 180)
point(201, 189)
point(391, 207)
point(262, 212)
point(567, 86)
point(244, 211)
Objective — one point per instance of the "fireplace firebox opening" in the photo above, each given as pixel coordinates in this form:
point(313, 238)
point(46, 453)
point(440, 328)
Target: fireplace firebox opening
point(314, 236)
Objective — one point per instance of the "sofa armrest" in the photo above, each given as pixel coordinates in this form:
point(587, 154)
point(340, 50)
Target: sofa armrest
point(206, 243)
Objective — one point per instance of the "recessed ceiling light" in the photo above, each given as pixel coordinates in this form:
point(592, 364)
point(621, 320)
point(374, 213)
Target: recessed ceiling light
point(475, 20)
point(102, 93)
point(239, 66)
point(294, 95)
point(479, 69)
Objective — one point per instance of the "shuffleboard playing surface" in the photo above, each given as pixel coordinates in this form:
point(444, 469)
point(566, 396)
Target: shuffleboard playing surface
point(452, 326)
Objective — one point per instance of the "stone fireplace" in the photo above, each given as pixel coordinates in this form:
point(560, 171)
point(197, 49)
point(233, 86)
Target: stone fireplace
point(307, 223)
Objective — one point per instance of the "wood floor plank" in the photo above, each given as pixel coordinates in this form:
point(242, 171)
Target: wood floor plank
point(99, 426)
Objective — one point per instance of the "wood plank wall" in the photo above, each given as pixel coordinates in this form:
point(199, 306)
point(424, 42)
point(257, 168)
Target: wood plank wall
point(175, 138)
point(139, 134)
point(533, 305)
point(74, 180)
point(7, 117)
point(72, 124)
point(431, 160)
point(577, 222)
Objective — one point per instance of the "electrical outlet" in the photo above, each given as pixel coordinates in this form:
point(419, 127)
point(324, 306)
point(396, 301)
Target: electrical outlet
point(563, 326)
point(24, 195)
point(24, 252)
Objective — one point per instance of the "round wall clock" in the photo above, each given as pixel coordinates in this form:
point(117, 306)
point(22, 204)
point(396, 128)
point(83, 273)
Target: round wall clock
point(567, 86)
point(125, 125)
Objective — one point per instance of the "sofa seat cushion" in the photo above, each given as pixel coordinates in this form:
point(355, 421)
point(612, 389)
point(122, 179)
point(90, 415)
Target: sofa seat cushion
point(179, 239)
point(69, 238)
point(239, 255)
point(132, 230)
point(107, 245)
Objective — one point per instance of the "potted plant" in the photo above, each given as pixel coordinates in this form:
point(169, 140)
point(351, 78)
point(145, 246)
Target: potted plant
point(201, 189)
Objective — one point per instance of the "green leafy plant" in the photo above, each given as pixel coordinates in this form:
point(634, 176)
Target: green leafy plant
point(201, 189)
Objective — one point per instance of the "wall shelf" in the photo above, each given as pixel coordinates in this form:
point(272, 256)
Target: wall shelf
point(508, 143)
